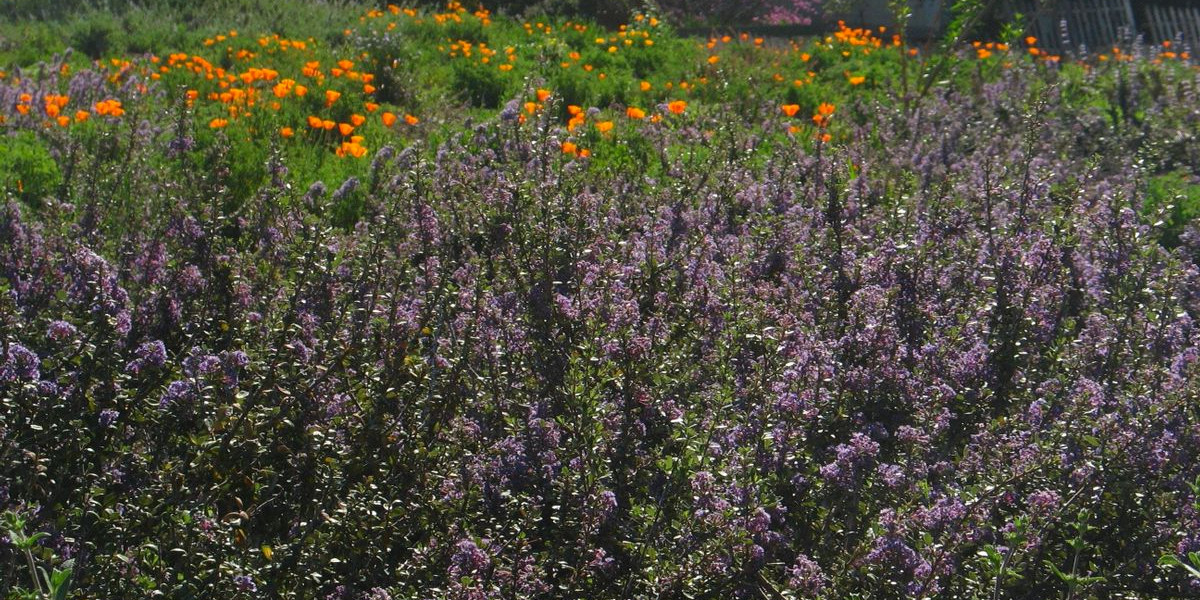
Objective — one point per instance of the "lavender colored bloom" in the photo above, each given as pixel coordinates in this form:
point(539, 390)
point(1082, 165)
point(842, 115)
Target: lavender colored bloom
point(108, 417)
point(376, 593)
point(20, 364)
point(468, 559)
point(150, 355)
point(806, 576)
point(177, 392)
point(60, 331)
point(512, 111)
point(244, 583)
point(348, 186)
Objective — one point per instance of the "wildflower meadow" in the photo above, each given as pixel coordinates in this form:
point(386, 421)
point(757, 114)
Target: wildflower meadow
point(356, 301)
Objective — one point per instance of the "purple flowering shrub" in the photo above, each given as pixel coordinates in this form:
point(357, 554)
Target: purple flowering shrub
point(945, 355)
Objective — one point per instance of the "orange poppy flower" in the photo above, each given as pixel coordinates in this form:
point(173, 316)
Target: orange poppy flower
point(635, 113)
point(287, 132)
point(218, 123)
point(331, 96)
point(357, 120)
point(604, 126)
point(542, 95)
point(411, 120)
point(345, 128)
point(645, 85)
point(677, 106)
point(569, 148)
point(790, 109)
point(388, 119)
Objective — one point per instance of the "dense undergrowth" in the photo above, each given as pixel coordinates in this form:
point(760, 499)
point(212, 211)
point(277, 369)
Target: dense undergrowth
point(832, 318)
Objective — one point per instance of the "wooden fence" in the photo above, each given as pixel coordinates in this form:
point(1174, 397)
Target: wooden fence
point(1094, 23)
point(1099, 24)
point(1175, 23)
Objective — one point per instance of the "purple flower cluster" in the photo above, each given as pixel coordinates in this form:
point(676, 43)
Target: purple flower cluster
point(738, 364)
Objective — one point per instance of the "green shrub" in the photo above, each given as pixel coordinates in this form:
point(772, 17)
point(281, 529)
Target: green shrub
point(27, 169)
point(1174, 199)
point(482, 87)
